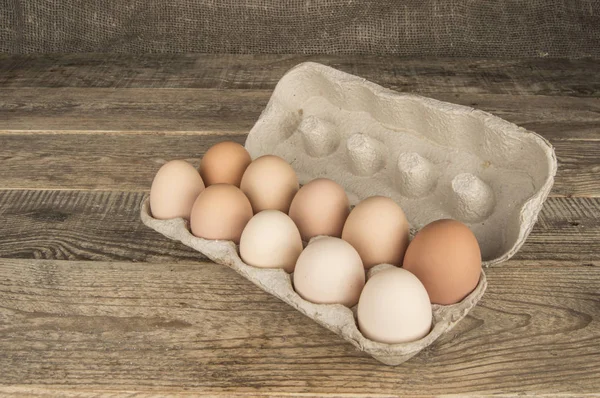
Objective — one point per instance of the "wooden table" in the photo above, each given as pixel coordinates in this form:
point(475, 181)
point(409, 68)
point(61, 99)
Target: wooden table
point(92, 301)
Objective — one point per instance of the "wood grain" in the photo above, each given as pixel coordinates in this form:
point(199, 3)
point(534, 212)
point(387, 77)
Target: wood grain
point(578, 169)
point(201, 327)
point(133, 313)
point(95, 161)
point(108, 109)
point(116, 161)
point(563, 77)
point(105, 226)
point(75, 225)
point(567, 229)
point(130, 109)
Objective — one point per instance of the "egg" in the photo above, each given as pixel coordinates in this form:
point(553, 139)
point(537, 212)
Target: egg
point(378, 230)
point(394, 307)
point(270, 183)
point(224, 163)
point(329, 271)
point(446, 258)
point(221, 211)
point(174, 189)
point(320, 208)
point(271, 240)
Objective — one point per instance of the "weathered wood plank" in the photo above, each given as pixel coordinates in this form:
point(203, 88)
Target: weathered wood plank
point(130, 109)
point(579, 77)
point(147, 392)
point(95, 161)
point(74, 225)
point(101, 109)
point(128, 162)
point(203, 328)
point(567, 229)
point(81, 392)
point(578, 171)
point(105, 226)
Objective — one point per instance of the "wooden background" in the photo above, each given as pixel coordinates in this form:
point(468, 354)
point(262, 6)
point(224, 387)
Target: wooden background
point(92, 302)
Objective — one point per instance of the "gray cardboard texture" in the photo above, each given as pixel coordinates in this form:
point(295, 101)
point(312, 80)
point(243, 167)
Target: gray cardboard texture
point(437, 160)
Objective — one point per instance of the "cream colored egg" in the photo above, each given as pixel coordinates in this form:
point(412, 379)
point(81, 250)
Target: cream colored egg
point(174, 190)
point(271, 240)
point(378, 230)
point(329, 271)
point(394, 307)
point(270, 183)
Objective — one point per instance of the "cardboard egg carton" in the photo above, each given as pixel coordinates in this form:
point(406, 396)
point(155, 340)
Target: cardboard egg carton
point(435, 159)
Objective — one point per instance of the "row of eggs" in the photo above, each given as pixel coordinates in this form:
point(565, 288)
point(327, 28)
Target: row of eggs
point(260, 206)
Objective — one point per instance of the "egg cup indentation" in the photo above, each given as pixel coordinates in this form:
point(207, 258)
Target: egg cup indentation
point(319, 136)
point(415, 176)
point(473, 199)
point(366, 155)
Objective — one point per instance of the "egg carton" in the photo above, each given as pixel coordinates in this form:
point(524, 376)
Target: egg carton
point(335, 317)
point(435, 159)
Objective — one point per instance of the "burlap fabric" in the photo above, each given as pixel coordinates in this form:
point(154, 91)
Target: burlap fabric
point(463, 28)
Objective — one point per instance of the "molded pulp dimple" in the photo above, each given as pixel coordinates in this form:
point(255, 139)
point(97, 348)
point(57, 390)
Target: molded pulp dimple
point(435, 159)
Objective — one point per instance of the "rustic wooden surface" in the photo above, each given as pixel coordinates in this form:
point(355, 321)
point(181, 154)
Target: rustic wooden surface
point(94, 303)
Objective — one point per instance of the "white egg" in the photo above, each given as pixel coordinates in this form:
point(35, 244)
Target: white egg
point(394, 307)
point(329, 271)
point(271, 240)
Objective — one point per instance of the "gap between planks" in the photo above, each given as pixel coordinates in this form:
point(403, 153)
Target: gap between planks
point(223, 133)
point(147, 190)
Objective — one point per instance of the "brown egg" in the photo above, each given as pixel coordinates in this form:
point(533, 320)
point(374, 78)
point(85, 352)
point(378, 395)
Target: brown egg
point(174, 190)
point(220, 212)
point(270, 183)
point(378, 230)
point(224, 163)
point(320, 208)
point(446, 258)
